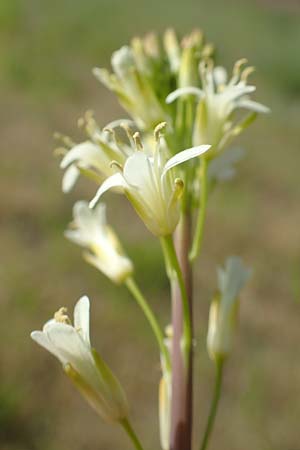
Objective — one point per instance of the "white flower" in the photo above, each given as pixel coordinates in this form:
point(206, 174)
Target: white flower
point(150, 183)
point(93, 157)
point(89, 229)
point(133, 89)
point(224, 307)
point(71, 345)
point(218, 101)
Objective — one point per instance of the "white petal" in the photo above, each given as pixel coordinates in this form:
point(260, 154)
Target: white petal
point(82, 318)
point(185, 155)
point(82, 214)
point(189, 90)
point(69, 179)
point(100, 214)
point(68, 344)
point(232, 278)
point(115, 180)
point(87, 152)
point(220, 75)
point(77, 237)
point(253, 106)
point(119, 122)
point(42, 339)
point(137, 169)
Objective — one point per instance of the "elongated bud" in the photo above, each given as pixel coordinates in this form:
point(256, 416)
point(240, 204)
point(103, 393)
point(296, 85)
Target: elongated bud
point(165, 411)
point(172, 49)
point(122, 60)
point(224, 308)
point(188, 72)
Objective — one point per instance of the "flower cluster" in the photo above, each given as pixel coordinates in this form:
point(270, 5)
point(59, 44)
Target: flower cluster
point(165, 159)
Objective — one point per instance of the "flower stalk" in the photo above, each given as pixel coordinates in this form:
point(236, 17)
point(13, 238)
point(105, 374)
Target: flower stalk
point(214, 404)
point(142, 302)
point(131, 434)
point(200, 221)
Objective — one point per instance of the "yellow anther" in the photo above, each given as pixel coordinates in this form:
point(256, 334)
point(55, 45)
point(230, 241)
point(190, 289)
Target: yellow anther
point(137, 141)
point(246, 72)
point(60, 151)
point(238, 65)
point(116, 165)
point(61, 316)
point(66, 140)
point(158, 130)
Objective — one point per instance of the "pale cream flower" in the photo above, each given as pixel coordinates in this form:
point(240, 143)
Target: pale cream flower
point(224, 307)
point(93, 157)
point(71, 345)
point(152, 186)
point(90, 230)
point(219, 99)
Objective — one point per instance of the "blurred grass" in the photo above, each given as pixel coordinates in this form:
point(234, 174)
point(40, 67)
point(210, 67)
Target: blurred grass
point(47, 50)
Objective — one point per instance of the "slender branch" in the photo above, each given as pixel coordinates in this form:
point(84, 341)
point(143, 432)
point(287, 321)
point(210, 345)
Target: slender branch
point(214, 404)
point(174, 271)
point(131, 433)
point(137, 294)
point(198, 237)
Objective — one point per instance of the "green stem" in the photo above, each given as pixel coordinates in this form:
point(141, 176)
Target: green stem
point(130, 432)
point(214, 404)
point(198, 237)
point(137, 294)
point(175, 273)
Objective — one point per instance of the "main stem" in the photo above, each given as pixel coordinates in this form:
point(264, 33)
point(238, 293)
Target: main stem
point(182, 371)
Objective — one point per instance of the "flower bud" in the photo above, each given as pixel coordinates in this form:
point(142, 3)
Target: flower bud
point(224, 308)
point(188, 72)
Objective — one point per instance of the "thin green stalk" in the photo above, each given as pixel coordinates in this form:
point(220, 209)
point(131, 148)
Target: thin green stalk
point(137, 294)
point(174, 272)
point(130, 432)
point(198, 237)
point(214, 405)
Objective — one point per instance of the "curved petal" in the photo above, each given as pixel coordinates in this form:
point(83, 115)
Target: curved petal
point(82, 318)
point(253, 106)
point(69, 179)
point(137, 169)
point(41, 338)
point(189, 90)
point(115, 180)
point(69, 344)
point(87, 152)
point(220, 75)
point(185, 155)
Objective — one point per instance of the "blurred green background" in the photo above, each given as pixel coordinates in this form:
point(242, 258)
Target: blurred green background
point(47, 50)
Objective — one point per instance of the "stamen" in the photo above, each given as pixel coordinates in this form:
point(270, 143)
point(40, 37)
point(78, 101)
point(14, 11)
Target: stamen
point(66, 140)
point(246, 72)
point(116, 165)
point(178, 187)
point(158, 130)
point(61, 316)
point(238, 65)
point(137, 141)
point(128, 131)
point(60, 151)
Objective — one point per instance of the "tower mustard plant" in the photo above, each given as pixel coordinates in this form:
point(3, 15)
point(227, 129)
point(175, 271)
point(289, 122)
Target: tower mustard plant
point(166, 158)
